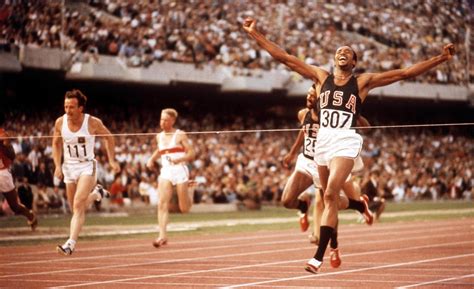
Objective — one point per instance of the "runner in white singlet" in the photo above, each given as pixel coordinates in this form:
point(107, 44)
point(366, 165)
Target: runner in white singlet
point(175, 151)
point(176, 173)
point(74, 141)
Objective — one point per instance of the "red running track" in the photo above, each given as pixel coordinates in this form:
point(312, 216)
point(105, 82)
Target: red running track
point(436, 254)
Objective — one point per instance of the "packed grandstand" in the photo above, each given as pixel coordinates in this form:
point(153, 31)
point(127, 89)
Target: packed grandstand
point(386, 34)
point(417, 163)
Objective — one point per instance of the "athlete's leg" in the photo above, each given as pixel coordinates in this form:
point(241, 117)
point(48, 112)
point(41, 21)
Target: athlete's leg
point(297, 183)
point(165, 192)
point(82, 200)
point(17, 207)
point(351, 190)
point(355, 202)
point(339, 169)
point(380, 209)
point(70, 192)
point(68, 247)
point(184, 197)
point(334, 256)
point(317, 214)
point(7, 187)
point(343, 202)
point(79, 197)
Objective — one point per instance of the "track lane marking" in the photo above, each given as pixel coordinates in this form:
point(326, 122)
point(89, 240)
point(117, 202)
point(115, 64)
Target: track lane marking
point(436, 281)
point(390, 231)
point(281, 262)
point(350, 271)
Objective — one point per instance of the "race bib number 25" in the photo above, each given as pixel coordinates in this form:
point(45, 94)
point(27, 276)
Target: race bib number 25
point(331, 118)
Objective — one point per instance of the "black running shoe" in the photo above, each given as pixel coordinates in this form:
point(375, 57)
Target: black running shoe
point(64, 250)
point(102, 192)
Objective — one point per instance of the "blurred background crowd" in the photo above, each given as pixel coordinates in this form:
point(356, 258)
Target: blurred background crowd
point(386, 34)
point(403, 164)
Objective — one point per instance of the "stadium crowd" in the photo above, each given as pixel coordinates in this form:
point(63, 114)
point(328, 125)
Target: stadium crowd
point(246, 167)
point(386, 34)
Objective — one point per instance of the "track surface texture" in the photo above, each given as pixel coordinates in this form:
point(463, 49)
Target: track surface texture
point(434, 254)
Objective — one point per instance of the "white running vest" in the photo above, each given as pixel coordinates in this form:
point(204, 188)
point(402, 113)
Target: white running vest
point(77, 146)
point(171, 151)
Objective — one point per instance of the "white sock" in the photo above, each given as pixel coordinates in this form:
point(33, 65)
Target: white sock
point(70, 243)
point(98, 196)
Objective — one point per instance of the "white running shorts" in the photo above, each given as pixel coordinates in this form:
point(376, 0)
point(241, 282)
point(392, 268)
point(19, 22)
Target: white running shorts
point(333, 143)
point(176, 174)
point(358, 165)
point(6, 181)
point(72, 171)
point(308, 167)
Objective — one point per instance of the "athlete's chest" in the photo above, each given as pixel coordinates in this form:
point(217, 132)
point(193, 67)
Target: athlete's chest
point(77, 126)
point(167, 140)
point(310, 126)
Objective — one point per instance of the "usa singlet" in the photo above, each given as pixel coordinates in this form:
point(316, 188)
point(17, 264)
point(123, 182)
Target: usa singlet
point(339, 106)
point(310, 129)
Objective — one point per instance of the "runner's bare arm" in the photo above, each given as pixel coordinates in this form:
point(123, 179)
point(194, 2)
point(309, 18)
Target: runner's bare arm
point(188, 148)
point(98, 128)
point(368, 81)
point(362, 122)
point(57, 148)
point(314, 73)
point(156, 154)
point(295, 148)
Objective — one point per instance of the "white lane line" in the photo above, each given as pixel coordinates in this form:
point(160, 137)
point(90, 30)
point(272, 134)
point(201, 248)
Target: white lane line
point(148, 245)
point(380, 228)
point(275, 263)
point(436, 281)
point(424, 235)
point(350, 271)
point(424, 231)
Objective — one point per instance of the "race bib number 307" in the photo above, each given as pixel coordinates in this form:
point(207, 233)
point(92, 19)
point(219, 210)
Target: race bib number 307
point(331, 118)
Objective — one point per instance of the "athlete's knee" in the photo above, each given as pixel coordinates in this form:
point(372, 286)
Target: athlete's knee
point(288, 202)
point(185, 204)
point(343, 204)
point(185, 208)
point(329, 198)
point(79, 205)
point(15, 207)
point(163, 205)
point(319, 204)
point(289, 198)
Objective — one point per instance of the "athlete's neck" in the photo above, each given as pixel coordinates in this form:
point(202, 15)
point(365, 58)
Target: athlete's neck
point(170, 130)
point(342, 74)
point(76, 120)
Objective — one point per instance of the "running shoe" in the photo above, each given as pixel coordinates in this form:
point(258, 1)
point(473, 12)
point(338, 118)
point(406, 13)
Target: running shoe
point(159, 242)
point(34, 222)
point(335, 258)
point(66, 250)
point(304, 222)
point(313, 266)
point(368, 216)
point(102, 192)
point(313, 239)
